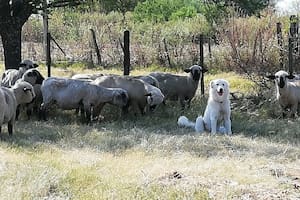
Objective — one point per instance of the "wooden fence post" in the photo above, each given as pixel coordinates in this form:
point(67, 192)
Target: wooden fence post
point(126, 51)
point(280, 43)
point(94, 41)
point(48, 54)
point(167, 52)
point(290, 55)
point(201, 42)
point(47, 37)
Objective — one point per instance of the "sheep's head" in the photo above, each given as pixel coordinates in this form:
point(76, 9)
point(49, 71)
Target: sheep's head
point(24, 92)
point(33, 76)
point(281, 77)
point(154, 98)
point(196, 72)
point(28, 64)
point(120, 97)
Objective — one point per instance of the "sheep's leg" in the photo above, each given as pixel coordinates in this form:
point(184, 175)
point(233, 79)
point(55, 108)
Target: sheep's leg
point(10, 128)
point(182, 103)
point(97, 110)
point(294, 110)
point(17, 112)
point(29, 113)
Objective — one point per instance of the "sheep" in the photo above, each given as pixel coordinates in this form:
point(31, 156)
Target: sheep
point(287, 91)
point(10, 76)
point(148, 79)
point(140, 93)
point(10, 98)
point(34, 77)
point(70, 94)
point(176, 87)
point(86, 77)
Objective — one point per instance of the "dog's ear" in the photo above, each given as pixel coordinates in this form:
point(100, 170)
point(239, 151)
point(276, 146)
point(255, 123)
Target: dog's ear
point(211, 84)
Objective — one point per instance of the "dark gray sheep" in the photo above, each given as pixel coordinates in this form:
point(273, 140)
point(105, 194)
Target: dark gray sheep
point(176, 87)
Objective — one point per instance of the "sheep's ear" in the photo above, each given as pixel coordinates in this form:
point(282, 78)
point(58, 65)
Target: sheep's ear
point(35, 65)
point(29, 74)
point(187, 70)
point(272, 77)
point(291, 76)
point(204, 70)
point(148, 95)
point(22, 65)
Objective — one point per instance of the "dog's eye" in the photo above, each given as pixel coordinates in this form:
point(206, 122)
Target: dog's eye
point(223, 84)
point(217, 84)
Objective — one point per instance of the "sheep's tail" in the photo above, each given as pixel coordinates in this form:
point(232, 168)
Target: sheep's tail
point(183, 121)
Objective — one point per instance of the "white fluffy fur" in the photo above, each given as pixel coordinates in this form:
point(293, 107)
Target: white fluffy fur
point(217, 113)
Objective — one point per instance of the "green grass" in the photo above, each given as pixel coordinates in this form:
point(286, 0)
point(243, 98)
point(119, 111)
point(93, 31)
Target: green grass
point(137, 157)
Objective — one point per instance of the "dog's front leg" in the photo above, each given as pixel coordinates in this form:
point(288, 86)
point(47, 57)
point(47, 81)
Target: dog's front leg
point(227, 123)
point(213, 123)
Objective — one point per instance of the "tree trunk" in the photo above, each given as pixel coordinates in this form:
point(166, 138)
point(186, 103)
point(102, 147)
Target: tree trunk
point(11, 40)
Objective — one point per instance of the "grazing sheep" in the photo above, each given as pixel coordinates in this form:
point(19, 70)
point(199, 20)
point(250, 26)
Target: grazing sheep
point(70, 94)
point(10, 98)
point(287, 92)
point(176, 87)
point(10, 76)
point(140, 93)
point(86, 77)
point(148, 79)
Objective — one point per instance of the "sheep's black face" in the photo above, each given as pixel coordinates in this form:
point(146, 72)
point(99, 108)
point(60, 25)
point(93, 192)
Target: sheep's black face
point(281, 82)
point(196, 74)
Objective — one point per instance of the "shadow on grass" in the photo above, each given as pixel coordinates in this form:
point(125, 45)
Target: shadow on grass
point(154, 131)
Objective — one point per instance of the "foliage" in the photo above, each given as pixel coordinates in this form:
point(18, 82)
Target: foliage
point(162, 10)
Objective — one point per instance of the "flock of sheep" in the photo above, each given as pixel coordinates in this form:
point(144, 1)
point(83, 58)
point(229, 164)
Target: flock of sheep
point(27, 89)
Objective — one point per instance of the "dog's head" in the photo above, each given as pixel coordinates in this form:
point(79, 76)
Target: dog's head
point(219, 89)
point(281, 77)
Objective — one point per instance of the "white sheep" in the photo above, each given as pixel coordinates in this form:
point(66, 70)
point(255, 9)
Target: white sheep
point(176, 87)
point(10, 99)
point(87, 77)
point(35, 78)
point(287, 91)
point(70, 94)
point(10, 76)
point(140, 93)
point(148, 79)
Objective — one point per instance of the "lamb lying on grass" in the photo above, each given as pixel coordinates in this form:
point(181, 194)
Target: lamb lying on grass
point(70, 94)
point(10, 98)
point(176, 87)
point(287, 92)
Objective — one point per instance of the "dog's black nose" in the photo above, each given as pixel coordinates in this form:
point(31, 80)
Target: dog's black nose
point(221, 90)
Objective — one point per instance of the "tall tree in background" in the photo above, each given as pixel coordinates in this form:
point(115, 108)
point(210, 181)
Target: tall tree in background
point(13, 15)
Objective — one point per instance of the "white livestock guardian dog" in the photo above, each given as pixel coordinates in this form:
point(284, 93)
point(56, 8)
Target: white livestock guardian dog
point(217, 113)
